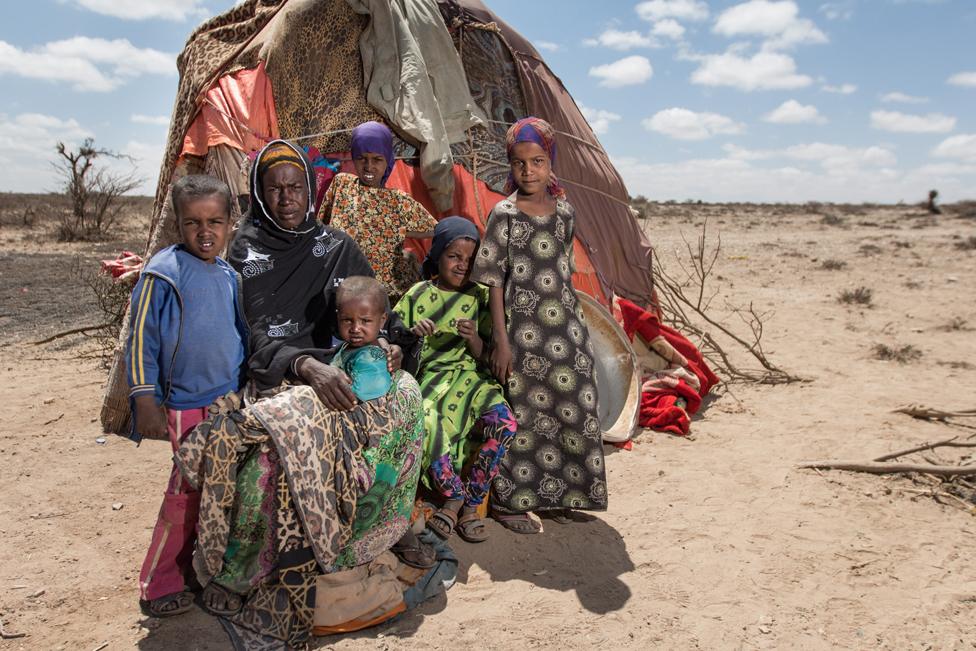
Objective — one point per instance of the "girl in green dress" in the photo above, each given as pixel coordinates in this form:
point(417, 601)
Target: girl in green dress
point(459, 393)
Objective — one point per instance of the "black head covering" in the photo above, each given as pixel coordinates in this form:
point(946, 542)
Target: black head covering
point(290, 278)
point(447, 230)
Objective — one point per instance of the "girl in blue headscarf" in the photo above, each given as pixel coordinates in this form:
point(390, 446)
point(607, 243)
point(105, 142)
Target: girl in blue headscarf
point(459, 391)
point(378, 218)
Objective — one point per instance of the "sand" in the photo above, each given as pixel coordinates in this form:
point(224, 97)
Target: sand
point(714, 541)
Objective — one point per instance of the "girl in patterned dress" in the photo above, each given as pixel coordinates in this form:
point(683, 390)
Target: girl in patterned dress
point(378, 218)
point(452, 314)
point(540, 344)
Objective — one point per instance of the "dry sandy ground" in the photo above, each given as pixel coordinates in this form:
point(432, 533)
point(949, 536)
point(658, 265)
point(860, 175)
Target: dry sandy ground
point(712, 542)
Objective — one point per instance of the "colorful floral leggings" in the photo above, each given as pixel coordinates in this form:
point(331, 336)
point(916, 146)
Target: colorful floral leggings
point(499, 429)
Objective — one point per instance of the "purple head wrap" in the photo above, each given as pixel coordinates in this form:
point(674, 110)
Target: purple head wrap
point(374, 138)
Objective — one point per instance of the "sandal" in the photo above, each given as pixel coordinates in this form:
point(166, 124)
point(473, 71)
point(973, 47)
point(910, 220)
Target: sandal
point(232, 601)
point(168, 606)
point(411, 551)
point(472, 528)
point(519, 522)
point(443, 522)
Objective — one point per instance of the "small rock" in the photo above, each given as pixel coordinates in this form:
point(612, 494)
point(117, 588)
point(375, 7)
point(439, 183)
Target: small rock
point(36, 594)
point(100, 440)
point(765, 630)
point(117, 506)
point(49, 401)
point(952, 279)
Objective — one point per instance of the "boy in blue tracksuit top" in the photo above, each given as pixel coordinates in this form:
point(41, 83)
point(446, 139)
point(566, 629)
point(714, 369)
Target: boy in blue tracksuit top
point(187, 347)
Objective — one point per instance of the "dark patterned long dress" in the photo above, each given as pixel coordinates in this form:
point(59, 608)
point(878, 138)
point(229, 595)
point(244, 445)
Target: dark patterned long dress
point(556, 459)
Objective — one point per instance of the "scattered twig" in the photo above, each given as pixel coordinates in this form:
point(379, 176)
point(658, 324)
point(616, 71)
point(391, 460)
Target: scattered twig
point(949, 442)
point(928, 413)
point(53, 420)
point(100, 646)
point(934, 494)
point(73, 331)
point(9, 636)
point(876, 468)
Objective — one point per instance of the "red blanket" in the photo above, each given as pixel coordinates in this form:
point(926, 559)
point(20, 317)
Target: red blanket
point(674, 375)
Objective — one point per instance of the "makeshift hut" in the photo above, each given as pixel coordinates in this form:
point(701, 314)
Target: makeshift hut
point(447, 76)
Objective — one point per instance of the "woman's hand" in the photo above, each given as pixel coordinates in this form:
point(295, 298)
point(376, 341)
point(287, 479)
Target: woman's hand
point(394, 355)
point(331, 385)
point(150, 417)
point(501, 360)
point(424, 328)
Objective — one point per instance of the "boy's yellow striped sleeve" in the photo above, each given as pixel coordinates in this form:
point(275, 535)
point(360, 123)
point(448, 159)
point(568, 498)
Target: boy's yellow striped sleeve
point(139, 324)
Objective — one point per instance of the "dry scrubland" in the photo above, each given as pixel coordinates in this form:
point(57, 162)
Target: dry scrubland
point(714, 541)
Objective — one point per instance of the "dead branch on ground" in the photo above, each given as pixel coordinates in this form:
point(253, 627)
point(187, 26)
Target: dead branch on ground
point(686, 304)
point(876, 468)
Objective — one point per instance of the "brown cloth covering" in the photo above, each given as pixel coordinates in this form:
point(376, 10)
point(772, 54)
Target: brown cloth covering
point(619, 250)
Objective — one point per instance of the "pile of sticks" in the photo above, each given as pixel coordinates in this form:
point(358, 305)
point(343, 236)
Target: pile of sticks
point(944, 481)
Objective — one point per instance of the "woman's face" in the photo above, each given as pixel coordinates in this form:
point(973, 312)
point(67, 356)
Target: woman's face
point(286, 195)
point(370, 168)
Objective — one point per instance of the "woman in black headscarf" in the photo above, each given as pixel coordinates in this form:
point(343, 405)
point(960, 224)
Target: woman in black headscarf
point(292, 267)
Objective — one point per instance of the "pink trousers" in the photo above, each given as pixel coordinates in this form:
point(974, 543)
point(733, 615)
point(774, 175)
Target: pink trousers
point(171, 550)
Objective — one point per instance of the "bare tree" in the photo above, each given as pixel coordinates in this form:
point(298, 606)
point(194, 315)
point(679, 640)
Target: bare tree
point(93, 192)
point(686, 304)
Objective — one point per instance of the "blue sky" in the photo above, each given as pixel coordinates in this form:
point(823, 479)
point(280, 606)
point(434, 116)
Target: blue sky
point(720, 100)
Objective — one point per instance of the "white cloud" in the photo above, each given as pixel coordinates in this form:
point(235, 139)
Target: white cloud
point(738, 179)
point(843, 10)
point(792, 112)
point(906, 123)
point(88, 64)
point(843, 89)
point(654, 10)
point(548, 46)
point(683, 124)
point(177, 10)
point(762, 71)
point(599, 119)
point(967, 79)
point(618, 40)
point(32, 138)
point(668, 28)
point(628, 71)
point(777, 22)
point(158, 120)
point(962, 146)
point(902, 98)
point(833, 158)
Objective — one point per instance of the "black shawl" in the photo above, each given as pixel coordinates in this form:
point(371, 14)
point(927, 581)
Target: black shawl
point(290, 281)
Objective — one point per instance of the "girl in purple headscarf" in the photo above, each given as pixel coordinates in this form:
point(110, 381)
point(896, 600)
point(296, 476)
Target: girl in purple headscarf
point(540, 345)
point(378, 218)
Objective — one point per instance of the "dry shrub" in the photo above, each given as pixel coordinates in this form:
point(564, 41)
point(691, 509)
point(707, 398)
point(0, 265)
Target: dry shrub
point(857, 296)
point(901, 354)
point(832, 265)
point(913, 284)
point(869, 249)
point(833, 220)
point(955, 324)
point(968, 244)
point(902, 244)
point(111, 301)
